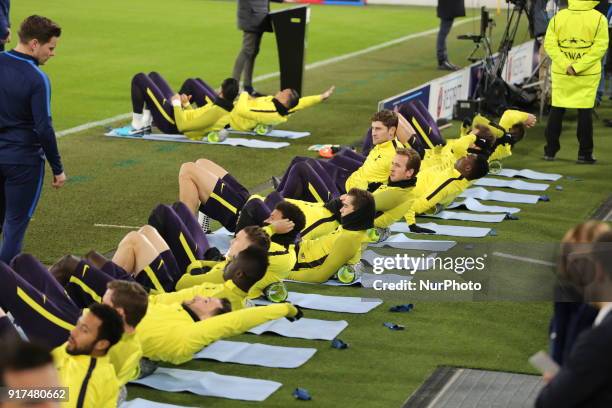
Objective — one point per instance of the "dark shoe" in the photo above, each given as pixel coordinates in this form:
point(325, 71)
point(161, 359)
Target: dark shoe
point(64, 268)
point(447, 66)
point(588, 159)
point(95, 258)
point(275, 182)
point(607, 122)
point(252, 92)
point(548, 158)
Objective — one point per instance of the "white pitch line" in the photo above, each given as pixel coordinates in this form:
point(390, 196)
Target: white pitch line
point(608, 217)
point(115, 226)
point(90, 125)
point(523, 259)
point(271, 75)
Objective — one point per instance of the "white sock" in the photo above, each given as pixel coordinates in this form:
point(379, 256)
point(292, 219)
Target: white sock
point(147, 119)
point(137, 120)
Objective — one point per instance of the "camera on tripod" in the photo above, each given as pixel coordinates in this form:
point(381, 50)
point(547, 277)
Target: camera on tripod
point(493, 94)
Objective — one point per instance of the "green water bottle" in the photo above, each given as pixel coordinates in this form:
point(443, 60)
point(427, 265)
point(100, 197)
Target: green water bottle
point(276, 292)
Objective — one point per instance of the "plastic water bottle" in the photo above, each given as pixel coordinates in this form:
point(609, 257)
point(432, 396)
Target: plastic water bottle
point(276, 292)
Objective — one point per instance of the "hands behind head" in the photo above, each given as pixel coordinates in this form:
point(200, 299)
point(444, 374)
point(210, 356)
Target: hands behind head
point(328, 93)
point(185, 99)
point(182, 99)
point(282, 226)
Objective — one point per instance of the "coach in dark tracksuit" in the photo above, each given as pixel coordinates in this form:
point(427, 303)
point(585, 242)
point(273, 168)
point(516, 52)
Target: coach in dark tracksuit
point(251, 16)
point(5, 25)
point(26, 131)
point(448, 10)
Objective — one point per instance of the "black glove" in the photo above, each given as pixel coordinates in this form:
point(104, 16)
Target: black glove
point(505, 139)
point(298, 316)
point(420, 230)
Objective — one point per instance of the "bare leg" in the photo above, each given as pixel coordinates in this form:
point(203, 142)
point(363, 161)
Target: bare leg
point(405, 131)
point(154, 238)
point(195, 185)
point(134, 253)
point(212, 167)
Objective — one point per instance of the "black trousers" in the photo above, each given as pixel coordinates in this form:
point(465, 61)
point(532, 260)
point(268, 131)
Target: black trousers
point(445, 26)
point(584, 132)
point(245, 62)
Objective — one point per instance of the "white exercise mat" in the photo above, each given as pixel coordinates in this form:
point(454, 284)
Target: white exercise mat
point(143, 403)
point(450, 230)
point(514, 184)
point(401, 241)
point(219, 240)
point(310, 329)
point(209, 384)
point(483, 194)
point(342, 304)
point(473, 204)
point(466, 216)
point(256, 354)
point(230, 141)
point(283, 134)
point(529, 174)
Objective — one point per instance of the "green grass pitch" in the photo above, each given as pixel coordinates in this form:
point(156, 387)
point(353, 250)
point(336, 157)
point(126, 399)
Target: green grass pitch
point(118, 182)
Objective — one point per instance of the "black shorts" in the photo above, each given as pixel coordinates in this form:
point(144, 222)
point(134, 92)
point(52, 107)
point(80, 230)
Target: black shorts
point(225, 203)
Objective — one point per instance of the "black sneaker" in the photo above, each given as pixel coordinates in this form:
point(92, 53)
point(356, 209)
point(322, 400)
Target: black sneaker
point(253, 92)
point(548, 158)
point(447, 66)
point(588, 159)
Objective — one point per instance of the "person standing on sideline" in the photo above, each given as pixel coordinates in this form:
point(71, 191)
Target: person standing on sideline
point(251, 16)
point(5, 25)
point(447, 11)
point(26, 132)
point(576, 41)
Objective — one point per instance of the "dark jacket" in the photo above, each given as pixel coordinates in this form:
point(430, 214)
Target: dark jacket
point(451, 8)
point(252, 13)
point(586, 377)
point(26, 130)
point(5, 6)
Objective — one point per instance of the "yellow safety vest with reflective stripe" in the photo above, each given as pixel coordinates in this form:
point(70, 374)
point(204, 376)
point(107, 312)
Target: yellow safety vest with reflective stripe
point(577, 37)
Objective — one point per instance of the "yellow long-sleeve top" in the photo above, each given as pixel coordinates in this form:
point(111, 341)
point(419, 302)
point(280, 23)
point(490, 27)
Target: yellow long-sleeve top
point(434, 187)
point(250, 112)
point(376, 167)
point(393, 202)
point(224, 289)
point(319, 220)
point(444, 157)
point(192, 277)
point(125, 357)
point(319, 259)
point(509, 118)
point(196, 123)
point(91, 381)
point(169, 333)
point(282, 259)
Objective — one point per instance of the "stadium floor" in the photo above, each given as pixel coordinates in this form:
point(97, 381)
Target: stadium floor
point(118, 182)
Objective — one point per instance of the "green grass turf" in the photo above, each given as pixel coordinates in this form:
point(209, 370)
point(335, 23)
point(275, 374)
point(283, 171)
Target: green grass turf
point(118, 182)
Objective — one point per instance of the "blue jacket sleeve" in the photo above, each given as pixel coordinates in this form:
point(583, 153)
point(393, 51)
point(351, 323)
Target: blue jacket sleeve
point(41, 113)
point(5, 6)
point(583, 375)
